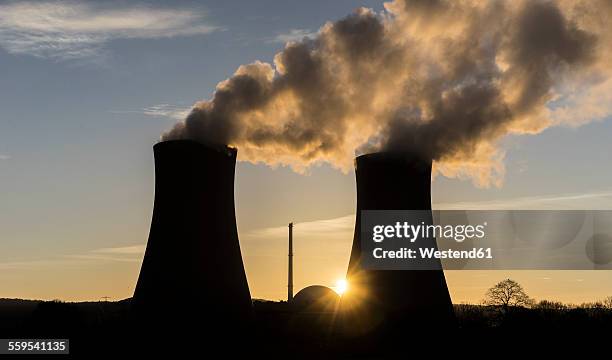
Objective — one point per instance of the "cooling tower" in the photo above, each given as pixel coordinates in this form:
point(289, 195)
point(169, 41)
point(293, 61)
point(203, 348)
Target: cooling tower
point(192, 273)
point(393, 301)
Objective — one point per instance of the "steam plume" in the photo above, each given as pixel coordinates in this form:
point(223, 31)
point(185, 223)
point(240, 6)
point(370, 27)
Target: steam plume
point(447, 79)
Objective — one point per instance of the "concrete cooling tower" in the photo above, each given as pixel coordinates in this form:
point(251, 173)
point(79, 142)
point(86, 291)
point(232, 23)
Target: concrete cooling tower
point(192, 272)
point(388, 302)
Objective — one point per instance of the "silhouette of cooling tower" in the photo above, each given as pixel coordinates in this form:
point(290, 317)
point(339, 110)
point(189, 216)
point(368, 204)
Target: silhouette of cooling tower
point(192, 272)
point(393, 301)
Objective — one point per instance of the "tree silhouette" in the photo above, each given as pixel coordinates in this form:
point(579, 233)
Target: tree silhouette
point(507, 294)
point(607, 302)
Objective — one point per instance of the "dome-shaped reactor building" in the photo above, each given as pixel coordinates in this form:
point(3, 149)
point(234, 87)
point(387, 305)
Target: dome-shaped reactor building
point(317, 299)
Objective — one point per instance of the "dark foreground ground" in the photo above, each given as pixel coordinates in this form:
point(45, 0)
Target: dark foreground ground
point(105, 328)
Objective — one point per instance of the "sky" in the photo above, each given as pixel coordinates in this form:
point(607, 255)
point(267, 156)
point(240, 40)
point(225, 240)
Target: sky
point(85, 94)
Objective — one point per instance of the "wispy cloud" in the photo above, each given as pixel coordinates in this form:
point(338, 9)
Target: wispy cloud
point(334, 235)
point(101, 257)
point(169, 111)
point(28, 264)
point(334, 226)
point(74, 30)
point(293, 35)
point(173, 112)
point(128, 250)
point(4, 157)
point(133, 253)
point(597, 200)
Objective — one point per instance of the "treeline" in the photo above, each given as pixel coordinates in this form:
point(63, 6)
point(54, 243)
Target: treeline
point(507, 305)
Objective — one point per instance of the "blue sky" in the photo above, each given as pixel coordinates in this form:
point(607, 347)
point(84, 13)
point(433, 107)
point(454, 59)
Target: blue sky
point(76, 131)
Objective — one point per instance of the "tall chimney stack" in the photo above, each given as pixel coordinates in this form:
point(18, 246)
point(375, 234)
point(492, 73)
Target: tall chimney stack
point(192, 273)
point(393, 302)
point(290, 272)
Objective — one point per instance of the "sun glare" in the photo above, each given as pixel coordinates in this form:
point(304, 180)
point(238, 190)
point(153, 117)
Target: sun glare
point(341, 286)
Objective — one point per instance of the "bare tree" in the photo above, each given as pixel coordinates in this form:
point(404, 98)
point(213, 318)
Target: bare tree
point(507, 294)
point(550, 305)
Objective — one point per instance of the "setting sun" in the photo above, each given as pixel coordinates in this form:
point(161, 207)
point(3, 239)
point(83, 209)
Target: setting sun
point(341, 286)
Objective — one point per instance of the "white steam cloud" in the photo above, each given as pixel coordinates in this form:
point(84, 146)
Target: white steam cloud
point(446, 79)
